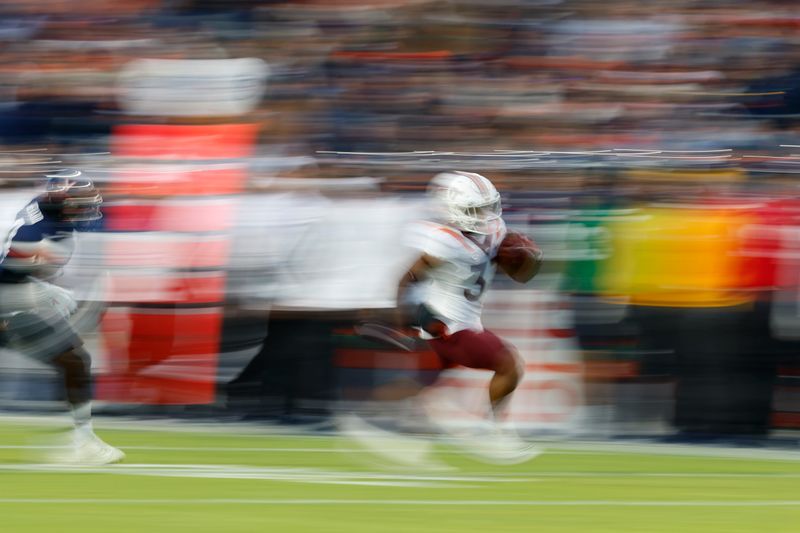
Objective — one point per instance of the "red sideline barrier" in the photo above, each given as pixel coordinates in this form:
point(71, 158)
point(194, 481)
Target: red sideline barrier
point(169, 356)
point(167, 287)
point(162, 356)
point(177, 181)
point(149, 250)
point(170, 215)
point(178, 142)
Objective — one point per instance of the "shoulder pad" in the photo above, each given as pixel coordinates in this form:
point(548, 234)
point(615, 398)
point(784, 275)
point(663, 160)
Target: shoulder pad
point(440, 241)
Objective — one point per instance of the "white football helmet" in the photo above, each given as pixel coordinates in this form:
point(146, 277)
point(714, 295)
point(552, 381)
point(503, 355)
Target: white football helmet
point(466, 200)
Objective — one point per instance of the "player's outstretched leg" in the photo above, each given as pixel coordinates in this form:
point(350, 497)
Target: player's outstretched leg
point(84, 447)
point(506, 378)
point(506, 446)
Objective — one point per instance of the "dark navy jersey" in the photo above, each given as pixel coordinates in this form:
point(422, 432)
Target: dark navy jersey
point(39, 244)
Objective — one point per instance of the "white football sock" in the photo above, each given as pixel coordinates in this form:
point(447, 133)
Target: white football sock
point(82, 417)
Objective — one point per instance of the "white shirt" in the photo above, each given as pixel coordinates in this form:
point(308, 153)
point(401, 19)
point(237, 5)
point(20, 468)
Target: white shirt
point(456, 289)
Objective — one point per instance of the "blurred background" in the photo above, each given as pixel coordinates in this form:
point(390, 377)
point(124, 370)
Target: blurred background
point(260, 159)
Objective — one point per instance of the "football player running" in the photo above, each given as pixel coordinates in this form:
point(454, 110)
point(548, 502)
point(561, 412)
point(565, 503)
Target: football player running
point(34, 312)
point(442, 293)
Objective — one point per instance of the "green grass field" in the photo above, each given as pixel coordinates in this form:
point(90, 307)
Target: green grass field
point(215, 481)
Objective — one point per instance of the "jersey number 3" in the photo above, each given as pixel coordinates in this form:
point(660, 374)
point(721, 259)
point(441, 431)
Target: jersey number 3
point(476, 285)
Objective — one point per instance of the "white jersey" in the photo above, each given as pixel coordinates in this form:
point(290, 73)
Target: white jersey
point(455, 290)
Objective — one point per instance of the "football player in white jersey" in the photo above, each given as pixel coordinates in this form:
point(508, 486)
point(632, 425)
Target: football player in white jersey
point(442, 293)
point(459, 254)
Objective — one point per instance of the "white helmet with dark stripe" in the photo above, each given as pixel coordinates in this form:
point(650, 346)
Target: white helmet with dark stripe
point(466, 200)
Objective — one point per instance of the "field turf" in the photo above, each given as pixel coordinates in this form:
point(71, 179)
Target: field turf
point(227, 480)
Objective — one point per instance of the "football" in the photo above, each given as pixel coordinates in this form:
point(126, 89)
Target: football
point(515, 251)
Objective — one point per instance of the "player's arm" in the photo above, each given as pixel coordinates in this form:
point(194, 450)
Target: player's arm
point(418, 271)
point(37, 255)
point(519, 258)
point(27, 247)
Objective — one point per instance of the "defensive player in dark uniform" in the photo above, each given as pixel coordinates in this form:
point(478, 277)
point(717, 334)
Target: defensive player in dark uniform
point(35, 312)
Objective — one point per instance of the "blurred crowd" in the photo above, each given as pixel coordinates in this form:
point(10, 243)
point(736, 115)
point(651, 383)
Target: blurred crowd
point(404, 75)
